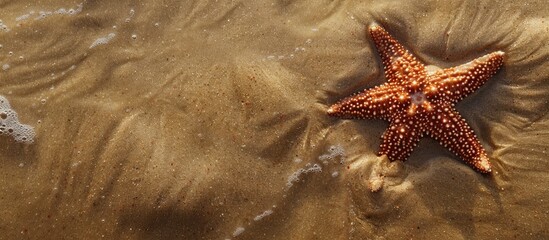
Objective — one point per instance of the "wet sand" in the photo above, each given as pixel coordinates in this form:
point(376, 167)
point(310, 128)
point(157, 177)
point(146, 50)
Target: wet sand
point(207, 120)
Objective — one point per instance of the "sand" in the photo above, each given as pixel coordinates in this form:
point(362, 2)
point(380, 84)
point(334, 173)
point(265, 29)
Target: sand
point(206, 120)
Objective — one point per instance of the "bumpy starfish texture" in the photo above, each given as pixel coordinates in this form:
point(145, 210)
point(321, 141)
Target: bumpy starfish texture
point(417, 102)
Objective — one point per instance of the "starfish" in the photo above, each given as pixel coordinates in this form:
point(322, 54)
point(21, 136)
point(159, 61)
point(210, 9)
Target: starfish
point(418, 102)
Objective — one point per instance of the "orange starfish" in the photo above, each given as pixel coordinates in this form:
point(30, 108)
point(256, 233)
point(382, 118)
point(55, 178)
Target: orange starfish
point(417, 102)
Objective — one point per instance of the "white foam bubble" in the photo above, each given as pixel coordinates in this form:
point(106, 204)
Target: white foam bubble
point(4, 103)
point(23, 17)
point(307, 169)
point(43, 14)
point(103, 40)
point(4, 27)
point(129, 18)
point(10, 125)
point(60, 11)
point(24, 133)
point(238, 231)
point(9, 117)
point(262, 215)
point(334, 152)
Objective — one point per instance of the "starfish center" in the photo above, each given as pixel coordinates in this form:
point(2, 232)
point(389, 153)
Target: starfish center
point(418, 98)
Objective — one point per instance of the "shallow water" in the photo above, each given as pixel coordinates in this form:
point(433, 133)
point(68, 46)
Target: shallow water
point(207, 120)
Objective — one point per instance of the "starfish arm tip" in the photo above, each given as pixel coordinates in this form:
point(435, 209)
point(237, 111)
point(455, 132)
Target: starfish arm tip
point(373, 26)
point(484, 165)
point(500, 53)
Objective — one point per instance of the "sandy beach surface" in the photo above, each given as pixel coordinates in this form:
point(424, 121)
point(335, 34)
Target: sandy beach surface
point(207, 120)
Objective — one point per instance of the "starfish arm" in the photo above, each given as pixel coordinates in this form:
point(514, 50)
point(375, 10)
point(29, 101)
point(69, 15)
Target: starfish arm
point(452, 131)
point(455, 83)
point(400, 139)
point(399, 65)
point(377, 102)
